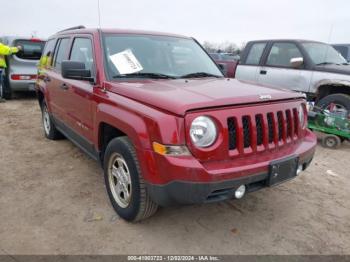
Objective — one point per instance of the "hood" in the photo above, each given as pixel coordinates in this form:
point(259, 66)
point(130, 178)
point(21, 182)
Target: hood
point(332, 68)
point(180, 95)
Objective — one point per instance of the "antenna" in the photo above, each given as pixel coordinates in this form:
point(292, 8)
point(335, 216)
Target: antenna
point(329, 41)
point(99, 14)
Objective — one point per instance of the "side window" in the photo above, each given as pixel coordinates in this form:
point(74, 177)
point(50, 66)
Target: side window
point(282, 53)
point(82, 52)
point(46, 58)
point(61, 52)
point(255, 54)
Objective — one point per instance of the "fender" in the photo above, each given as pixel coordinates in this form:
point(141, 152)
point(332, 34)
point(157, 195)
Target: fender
point(141, 124)
point(126, 121)
point(332, 83)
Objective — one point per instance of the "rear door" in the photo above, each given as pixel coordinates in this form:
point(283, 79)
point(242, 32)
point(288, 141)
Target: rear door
point(249, 65)
point(278, 72)
point(55, 81)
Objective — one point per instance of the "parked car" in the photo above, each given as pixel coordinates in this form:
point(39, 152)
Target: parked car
point(21, 71)
point(313, 68)
point(227, 63)
point(168, 128)
point(344, 50)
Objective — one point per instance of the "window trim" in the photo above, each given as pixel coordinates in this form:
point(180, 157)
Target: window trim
point(57, 46)
point(85, 36)
point(53, 51)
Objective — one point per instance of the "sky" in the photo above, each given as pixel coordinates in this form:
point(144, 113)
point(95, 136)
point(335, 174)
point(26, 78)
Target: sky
point(206, 20)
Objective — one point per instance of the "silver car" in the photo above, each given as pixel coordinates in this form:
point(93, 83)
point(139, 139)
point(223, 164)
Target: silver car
point(21, 71)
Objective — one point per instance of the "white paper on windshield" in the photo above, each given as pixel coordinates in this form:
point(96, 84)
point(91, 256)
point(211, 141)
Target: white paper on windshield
point(126, 62)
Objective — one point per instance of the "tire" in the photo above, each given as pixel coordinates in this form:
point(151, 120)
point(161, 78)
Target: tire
point(50, 130)
point(131, 201)
point(5, 89)
point(339, 99)
point(331, 141)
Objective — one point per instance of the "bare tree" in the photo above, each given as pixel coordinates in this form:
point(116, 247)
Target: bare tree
point(223, 47)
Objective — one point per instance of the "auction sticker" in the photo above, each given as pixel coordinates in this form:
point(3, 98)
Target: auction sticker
point(126, 62)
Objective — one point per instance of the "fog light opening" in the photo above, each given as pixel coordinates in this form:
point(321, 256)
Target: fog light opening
point(300, 168)
point(239, 193)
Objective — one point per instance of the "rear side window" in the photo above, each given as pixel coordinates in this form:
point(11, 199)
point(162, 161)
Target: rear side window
point(46, 58)
point(282, 53)
point(255, 54)
point(32, 49)
point(61, 53)
point(82, 52)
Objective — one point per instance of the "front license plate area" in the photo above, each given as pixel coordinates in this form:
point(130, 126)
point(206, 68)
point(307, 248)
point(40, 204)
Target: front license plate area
point(282, 170)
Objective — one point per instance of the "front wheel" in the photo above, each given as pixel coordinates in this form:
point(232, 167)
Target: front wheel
point(336, 103)
point(124, 182)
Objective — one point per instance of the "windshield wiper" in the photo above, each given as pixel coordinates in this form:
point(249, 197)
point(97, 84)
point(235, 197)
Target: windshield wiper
point(200, 74)
point(146, 75)
point(327, 63)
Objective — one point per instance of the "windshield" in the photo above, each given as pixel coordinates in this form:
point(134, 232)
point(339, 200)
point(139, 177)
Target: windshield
point(323, 54)
point(152, 56)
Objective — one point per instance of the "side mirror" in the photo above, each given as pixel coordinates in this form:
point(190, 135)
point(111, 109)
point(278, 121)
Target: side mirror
point(297, 62)
point(75, 70)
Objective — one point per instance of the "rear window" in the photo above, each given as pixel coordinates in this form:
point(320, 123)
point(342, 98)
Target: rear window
point(32, 49)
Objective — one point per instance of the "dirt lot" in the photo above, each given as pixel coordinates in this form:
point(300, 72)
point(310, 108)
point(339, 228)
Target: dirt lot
point(53, 201)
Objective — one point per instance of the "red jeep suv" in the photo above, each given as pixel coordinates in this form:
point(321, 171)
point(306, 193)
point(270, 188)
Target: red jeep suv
point(166, 126)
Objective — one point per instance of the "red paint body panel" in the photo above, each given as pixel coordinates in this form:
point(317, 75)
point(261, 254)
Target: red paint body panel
point(161, 111)
point(180, 96)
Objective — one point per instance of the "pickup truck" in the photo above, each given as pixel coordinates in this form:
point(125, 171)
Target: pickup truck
point(164, 123)
point(310, 67)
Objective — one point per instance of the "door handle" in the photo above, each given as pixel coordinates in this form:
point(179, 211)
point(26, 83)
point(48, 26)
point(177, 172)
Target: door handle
point(263, 72)
point(64, 86)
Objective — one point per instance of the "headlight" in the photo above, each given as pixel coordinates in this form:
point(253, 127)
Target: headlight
point(302, 117)
point(203, 131)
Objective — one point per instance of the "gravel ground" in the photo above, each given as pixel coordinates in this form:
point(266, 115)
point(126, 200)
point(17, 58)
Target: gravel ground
point(53, 201)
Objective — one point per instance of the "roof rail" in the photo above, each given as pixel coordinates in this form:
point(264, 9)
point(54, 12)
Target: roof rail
point(73, 28)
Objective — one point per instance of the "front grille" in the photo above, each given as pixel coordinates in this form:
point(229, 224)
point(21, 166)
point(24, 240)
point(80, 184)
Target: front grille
point(271, 127)
point(289, 124)
point(296, 121)
point(232, 132)
point(280, 125)
point(246, 131)
point(261, 129)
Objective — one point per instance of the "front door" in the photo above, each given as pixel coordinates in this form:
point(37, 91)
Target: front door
point(278, 72)
point(80, 92)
